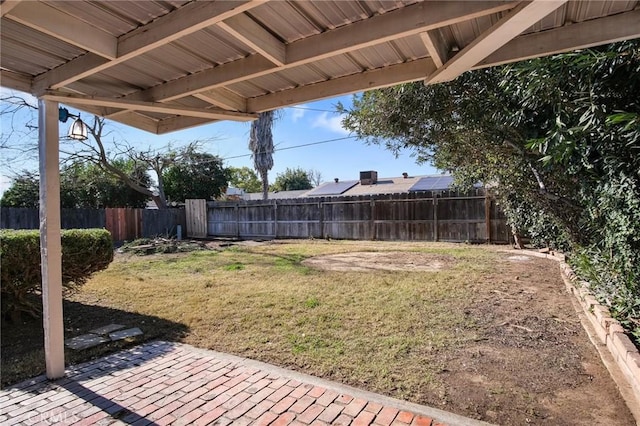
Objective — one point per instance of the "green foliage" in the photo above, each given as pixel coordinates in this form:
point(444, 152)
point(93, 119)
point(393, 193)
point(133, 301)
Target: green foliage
point(556, 139)
point(84, 251)
point(292, 180)
point(86, 185)
point(82, 185)
point(201, 175)
point(244, 178)
point(23, 192)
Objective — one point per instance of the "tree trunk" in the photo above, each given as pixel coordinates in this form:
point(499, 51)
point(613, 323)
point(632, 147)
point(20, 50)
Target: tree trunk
point(264, 174)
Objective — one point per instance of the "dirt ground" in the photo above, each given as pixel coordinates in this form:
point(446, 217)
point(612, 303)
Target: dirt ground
point(531, 363)
point(388, 261)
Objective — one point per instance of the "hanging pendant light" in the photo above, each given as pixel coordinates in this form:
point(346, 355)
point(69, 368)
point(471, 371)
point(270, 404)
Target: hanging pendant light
point(77, 130)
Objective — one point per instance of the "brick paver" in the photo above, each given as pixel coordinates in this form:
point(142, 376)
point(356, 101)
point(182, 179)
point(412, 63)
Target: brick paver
point(170, 383)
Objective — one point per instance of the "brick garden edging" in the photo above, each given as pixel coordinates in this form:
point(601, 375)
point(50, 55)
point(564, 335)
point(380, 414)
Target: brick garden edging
point(609, 334)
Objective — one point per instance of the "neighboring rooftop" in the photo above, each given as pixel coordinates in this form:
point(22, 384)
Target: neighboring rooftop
point(392, 185)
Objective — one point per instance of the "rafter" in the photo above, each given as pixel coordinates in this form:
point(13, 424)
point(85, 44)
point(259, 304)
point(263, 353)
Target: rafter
point(510, 26)
point(223, 98)
point(169, 109)
point(183, 21)
point(625, 26)
point(8, 5)
point(130, 118)
point(406, 21)
point(219, 76)
point(16, 81)
point(544, 43)
point(60, 25)
point(253, 35)
point(179, 123)
point(374, 79)
point(436, 46)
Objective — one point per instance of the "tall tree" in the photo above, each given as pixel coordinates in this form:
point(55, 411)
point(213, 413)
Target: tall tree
point(202, 175)
point(292, 180)
point(23, 192)
point(244, 178)
point(261, 146)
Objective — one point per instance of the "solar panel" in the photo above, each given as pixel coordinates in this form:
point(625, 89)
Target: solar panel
point(332, 188)
point(433, 183)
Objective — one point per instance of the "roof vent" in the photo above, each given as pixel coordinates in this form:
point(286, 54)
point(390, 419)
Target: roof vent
point(336, 180)
point(369, 177)
point(405, 175)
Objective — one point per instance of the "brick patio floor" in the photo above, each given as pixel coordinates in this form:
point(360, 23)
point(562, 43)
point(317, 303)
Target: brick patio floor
point(163, 383)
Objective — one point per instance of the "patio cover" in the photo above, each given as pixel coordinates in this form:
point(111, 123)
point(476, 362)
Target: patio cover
point(163, 66)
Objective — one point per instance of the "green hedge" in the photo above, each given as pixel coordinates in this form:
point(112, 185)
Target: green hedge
point(84, 251)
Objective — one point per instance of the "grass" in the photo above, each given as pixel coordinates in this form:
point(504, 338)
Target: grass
point(380, 329)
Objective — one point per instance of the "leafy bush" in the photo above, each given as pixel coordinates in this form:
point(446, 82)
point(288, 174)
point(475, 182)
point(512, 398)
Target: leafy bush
point(84, 251)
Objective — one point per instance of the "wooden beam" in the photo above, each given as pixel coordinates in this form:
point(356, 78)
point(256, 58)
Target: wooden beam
point(130, 118)
point(221, 75)
point(15, 81)
point(576, 36)
point(69, 72)
point(183, 21)
point(50, 240)
point(253, 35)
point(60, 25)
point(169, 109)
point(8, 5)
point(409, 20)
point(186, 20)
point(223, 98)
point(374, 79)
point(436, 46)
point(624, 26)
point(172, 124)
point(515, 22)
point(402, 22)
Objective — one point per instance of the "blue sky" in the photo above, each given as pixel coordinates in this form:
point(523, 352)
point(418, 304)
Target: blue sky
point(304, 124)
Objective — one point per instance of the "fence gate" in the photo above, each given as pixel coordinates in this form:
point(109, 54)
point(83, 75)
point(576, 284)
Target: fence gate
point(196, 212)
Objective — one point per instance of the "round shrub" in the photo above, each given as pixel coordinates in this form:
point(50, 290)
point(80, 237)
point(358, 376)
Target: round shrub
point(84, 251)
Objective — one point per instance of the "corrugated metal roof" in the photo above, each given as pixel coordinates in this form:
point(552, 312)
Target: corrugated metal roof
point(117, 49)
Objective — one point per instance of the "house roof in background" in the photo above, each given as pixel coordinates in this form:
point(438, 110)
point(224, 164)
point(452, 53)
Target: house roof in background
point(167, 65)
point(279, 195)
point(394, 185)
point(331, 188)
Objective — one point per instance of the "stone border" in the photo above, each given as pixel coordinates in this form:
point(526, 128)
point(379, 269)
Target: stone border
point(618, 353)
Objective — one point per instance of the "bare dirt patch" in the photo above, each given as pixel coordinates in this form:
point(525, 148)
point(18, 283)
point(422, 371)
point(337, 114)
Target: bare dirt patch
point(382, 260)
point(532, 362)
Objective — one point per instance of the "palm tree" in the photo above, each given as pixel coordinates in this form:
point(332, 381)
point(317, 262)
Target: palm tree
point(261, 146)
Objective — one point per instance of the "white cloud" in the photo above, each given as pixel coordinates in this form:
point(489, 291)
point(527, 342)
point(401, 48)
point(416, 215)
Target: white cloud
point(297, 114)
point(333, 123)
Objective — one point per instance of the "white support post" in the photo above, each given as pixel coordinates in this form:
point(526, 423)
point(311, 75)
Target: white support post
point(50, 244)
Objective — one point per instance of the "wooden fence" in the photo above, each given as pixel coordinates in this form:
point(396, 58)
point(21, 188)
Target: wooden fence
point(423, 216)
point(124, 224)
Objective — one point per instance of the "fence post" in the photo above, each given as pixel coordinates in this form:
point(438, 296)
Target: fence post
point(321, 219)
point(373, 220)
point(487, 215)
point(236, 210)
point(275, 219)
point(435, 216)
